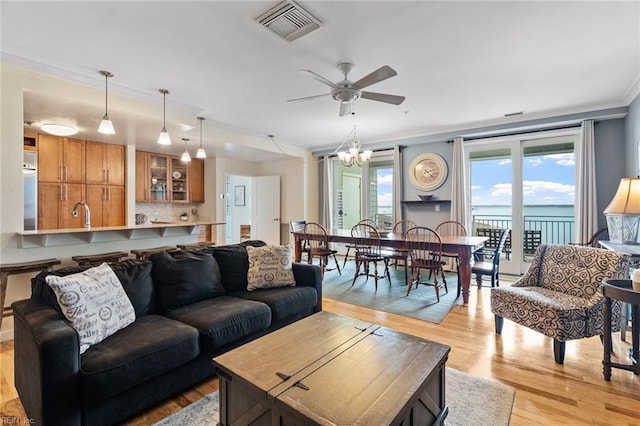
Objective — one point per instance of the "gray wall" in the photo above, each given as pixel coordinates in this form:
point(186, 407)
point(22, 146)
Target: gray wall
point(610, 162)
point(632, 137)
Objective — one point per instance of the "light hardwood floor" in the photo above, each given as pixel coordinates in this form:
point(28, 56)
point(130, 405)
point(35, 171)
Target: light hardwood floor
point(546, 393)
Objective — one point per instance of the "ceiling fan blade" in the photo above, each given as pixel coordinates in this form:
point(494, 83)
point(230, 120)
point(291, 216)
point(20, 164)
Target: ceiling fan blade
point(307, 98)
point(345, 108)
point(382, 73)
point(382, 97)
point(321, 79)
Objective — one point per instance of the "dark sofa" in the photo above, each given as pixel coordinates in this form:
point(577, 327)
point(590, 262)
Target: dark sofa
point(177, 330)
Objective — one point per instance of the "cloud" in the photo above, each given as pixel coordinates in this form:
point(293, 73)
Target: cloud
point(535, 162)
point(567, 159)
point(505, 161)
point(476, 187)
point(537, 186)
point(500, 189)
point(385, 199)
point(385, 179)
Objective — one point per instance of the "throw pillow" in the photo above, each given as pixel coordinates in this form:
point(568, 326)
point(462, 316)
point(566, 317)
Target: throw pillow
point(269, 267)
point(184, 278)
point(94, 302)
point(234, 264)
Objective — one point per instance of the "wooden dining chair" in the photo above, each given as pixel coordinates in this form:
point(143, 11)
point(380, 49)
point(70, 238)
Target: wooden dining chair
point(298, 226)
point(366, 240)
point(451, 228)
point(318, 243)
point(401, 254)
point(491, 268)
point(425, 253)
point(351, 246)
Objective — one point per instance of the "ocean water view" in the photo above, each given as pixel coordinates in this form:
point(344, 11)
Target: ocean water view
point(555, 223)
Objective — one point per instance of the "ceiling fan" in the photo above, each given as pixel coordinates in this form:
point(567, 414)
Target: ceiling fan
point(346, 92)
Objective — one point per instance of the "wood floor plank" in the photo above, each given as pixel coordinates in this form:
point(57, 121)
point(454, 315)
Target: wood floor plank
point(546, 393)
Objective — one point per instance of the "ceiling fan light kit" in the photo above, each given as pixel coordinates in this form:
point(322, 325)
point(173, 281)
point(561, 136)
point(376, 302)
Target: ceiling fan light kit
point(346, 91)
point(353, 155)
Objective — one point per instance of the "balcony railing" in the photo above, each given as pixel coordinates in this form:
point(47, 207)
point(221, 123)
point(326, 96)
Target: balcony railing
point(537, 229)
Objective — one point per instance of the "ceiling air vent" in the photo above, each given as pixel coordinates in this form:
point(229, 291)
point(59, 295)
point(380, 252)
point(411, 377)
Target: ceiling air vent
point(289, 20)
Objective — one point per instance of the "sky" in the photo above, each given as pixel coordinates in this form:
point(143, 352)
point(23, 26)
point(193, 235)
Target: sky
point(546, 179)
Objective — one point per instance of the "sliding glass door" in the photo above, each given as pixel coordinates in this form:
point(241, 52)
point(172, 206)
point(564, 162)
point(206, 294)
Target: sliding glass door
point(526, 185)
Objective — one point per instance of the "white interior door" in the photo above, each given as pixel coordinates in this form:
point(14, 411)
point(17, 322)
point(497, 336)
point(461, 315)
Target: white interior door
point(351, 212)
point(265, 209)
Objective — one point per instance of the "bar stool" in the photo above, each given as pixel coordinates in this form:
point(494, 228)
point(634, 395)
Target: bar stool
point(91, 259)
point(144, 253)
point(20, 268)
point(196, 246)
point(621, 290)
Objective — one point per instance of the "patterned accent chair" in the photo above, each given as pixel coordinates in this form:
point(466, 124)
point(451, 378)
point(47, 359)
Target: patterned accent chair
point(560, 296)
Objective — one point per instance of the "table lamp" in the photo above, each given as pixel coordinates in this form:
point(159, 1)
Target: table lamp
point(623, 212)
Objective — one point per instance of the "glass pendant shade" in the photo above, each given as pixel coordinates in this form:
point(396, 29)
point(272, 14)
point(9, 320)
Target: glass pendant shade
point(623, 213)
point(164, 138)
point(200, 153)
point(354, 155)
point(106, 126)
point(185, 155)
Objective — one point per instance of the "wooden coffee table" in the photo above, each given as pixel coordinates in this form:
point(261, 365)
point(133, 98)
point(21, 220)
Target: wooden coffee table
point(331, 369)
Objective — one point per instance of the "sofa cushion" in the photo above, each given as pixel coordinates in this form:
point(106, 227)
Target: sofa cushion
point(223, 319)
point(149, 347)
point(184, 278)
point(134, 275)
point(234, 264)
point(94, 303)
point(285, 302)
point(269, 267)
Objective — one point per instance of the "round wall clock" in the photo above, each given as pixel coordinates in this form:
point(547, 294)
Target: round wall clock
point(428, 171)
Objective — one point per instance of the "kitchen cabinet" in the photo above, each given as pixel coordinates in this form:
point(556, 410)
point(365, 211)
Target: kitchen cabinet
point(55, 204)
point(107, 204)
point(164, 178)
point(196, 181)
point(61, 159)
point(105, 163)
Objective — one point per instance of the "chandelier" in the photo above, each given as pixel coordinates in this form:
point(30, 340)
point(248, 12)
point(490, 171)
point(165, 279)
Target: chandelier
point(354, 155)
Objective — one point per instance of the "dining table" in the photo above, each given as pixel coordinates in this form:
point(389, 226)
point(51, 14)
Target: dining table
point(464, 246)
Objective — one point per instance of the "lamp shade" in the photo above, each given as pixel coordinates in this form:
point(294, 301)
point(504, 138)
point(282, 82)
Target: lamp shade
point(623, 212)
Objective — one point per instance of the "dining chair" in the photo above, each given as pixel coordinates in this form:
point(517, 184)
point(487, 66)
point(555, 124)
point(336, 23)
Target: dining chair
point(351, 246)
point(318, 243)
point(425, 252)
point(396, 254)
point(452, 228)
point(366, 240)
point(481, 268)
point(298, 226)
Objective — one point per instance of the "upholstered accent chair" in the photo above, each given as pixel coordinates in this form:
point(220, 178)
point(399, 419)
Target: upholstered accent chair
point(560, 296)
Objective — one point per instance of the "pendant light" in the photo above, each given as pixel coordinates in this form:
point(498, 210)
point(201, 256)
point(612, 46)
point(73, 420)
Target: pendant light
point(185, 155)
point(164, 138)
point(106, 126)
point(201, 153)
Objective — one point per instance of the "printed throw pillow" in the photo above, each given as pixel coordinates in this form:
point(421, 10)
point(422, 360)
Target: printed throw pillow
point(269, 266)
point(94, 302)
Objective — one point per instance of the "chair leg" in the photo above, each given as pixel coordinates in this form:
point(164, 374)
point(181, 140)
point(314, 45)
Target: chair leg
point(346, 256)
point(499, 323)
point(558, 351)
point(602, 339)
point(355, 275)
point(337, 264)
point(386, 269)
point(479, 280)
point(375, 274)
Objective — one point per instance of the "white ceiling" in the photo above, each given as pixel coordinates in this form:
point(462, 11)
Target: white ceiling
point(460, 65)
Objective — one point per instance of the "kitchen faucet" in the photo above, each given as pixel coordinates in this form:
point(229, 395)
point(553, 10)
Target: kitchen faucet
point(87, 215)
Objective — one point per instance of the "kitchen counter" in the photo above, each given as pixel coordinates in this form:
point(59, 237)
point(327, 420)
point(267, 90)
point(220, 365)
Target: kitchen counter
point(56, 237)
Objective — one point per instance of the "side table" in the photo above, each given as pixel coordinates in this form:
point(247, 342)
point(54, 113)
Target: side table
point(621, 290)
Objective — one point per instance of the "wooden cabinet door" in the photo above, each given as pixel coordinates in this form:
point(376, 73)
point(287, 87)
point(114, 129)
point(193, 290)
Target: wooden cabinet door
point(179, 181)
point(74, 161)
point(115, 164)
point(96, 172)
point(72, 193)
point(96, 199)
point(49, 197)
point(160, 181)
point(113, 214)
point(50, 152)
point(142, 177)
point(196, 181)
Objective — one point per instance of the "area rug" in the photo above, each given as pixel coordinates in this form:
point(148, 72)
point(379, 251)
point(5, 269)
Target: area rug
point(421, 303)
point(471, 400)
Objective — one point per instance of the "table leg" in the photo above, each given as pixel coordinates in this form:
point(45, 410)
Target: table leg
point(465, 254)
point(4, 278)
